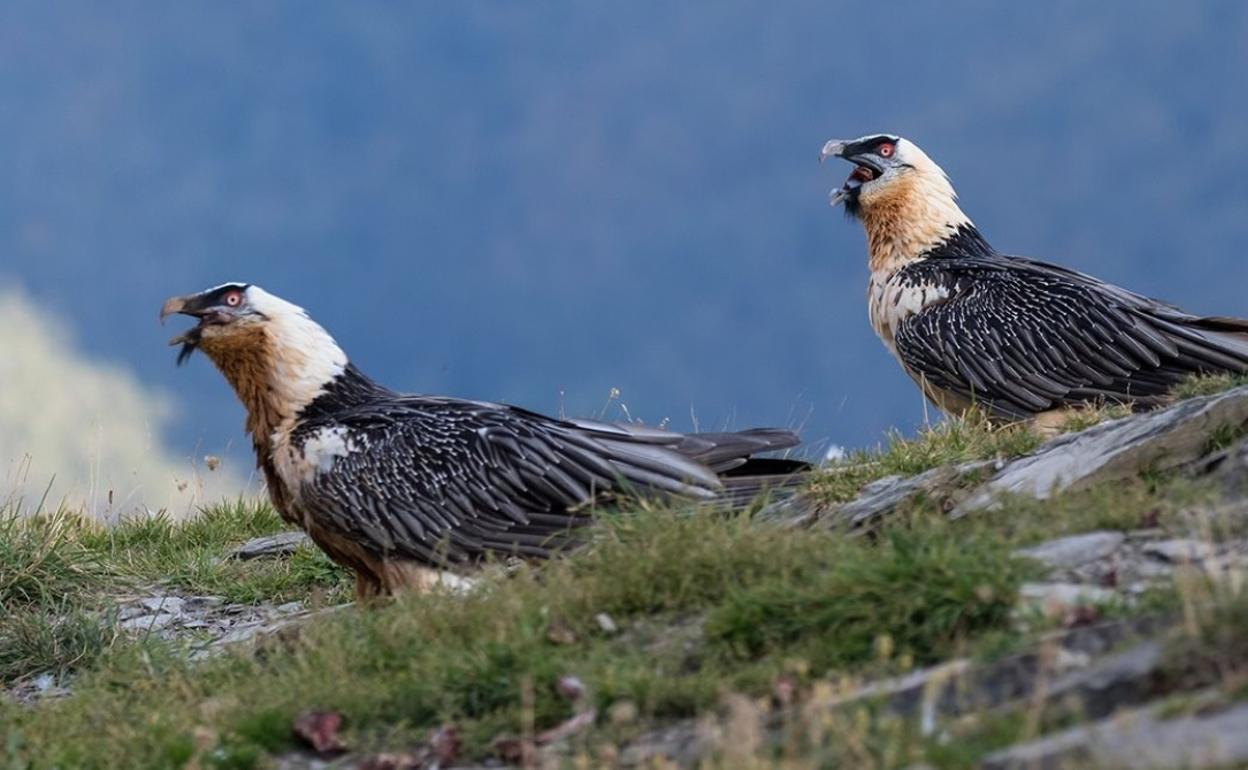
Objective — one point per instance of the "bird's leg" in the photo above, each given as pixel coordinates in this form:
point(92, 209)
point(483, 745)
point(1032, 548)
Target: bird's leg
point(403, 576)
point(367, 588)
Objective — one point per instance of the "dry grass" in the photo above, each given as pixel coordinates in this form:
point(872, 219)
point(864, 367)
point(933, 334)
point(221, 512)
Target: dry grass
point(714, 614)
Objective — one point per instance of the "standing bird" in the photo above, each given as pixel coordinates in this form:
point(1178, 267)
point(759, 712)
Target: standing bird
point(396, 486)
point(1019, 337)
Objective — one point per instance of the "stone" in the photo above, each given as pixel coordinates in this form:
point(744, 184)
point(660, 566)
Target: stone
point(1056, 598)
point(962, 686)
point(281, 544)
point(149, 623)
point(1118, 449)
point(683, 744)
point(169, 604)
point(1125, 678)
point(1074, 551)
point(202, 602)
point(606, 623)
point(1137, 739)
point(883, 496)
point(1180, 551)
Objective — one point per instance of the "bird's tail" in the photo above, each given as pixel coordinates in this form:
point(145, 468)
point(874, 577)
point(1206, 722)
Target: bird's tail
point(1210, 344)
point(748, 479)
point(732, 454)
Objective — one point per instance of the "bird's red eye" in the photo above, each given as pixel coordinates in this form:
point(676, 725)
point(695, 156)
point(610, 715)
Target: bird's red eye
point(885, 150)
point(233, 299)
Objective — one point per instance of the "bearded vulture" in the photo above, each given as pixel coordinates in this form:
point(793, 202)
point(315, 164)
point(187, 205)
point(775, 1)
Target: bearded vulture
point(1019, 337)
point(397, 486)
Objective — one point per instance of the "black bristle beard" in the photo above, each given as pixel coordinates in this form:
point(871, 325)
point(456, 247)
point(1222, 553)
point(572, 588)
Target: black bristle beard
point(189, 345)
point(853, 207)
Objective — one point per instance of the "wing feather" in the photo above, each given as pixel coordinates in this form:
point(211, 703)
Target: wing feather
point(445, 480)
point(1021, 336)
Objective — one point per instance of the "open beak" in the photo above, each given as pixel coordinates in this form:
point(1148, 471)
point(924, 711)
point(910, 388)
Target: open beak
point(866, 169)
point(205, 307)
point(834, 148)
point(185, 305)
point(174, 305)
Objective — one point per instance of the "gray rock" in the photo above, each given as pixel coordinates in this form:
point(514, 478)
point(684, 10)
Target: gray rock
point(198, 603)
point(1137, 739)
point(1074, 551)
point(163, 604)
point(281, 544)
point(1057, 597)
point(883, 496)
point(961, 686)
point(1180, 551)
point(149, 623)
point(1114, 450)
point(1126, 678)
point(30, 690)
point(682, 743)
point(606, 623)
point(1228, 468)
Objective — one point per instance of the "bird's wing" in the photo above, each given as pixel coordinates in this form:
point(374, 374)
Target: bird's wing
point(1020, 337)
point(449, 480)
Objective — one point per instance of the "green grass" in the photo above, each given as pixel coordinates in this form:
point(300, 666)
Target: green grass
point(954, 440)
point(60, 574)
point(748, 603)
point(1208, 384)
point(187, 556)
point(709, 609)
point(42, 559)
point(396, 672)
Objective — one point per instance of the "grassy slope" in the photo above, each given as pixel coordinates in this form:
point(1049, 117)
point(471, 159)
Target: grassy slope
point(707, 607)
point(60, 575)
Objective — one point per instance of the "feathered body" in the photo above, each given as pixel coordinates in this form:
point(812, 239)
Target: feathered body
point(1016, 336)
point(393, 485)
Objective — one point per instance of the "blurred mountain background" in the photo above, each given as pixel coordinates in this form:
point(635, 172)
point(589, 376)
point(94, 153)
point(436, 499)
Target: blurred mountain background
point(539, 203)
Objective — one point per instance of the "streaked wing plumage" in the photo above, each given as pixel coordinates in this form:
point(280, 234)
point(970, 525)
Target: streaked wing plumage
point(1020, 336)
point(448, 480)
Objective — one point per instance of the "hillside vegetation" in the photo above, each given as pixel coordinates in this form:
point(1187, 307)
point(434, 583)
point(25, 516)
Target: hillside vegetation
point(678, 635)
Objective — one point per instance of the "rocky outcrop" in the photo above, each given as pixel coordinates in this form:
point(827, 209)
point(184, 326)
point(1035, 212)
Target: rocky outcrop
point(1180, 437)
point(1162, 440)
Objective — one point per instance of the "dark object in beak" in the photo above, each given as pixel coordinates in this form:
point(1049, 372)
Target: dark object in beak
point(195, 306)
point(867, 169)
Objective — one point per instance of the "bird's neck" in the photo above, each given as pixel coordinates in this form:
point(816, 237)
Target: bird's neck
point(909, 219)
point(964, 241)
point(277, 369)
point(350, 388)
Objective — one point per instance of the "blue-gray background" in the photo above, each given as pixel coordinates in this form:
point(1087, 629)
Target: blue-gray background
point(538, 202)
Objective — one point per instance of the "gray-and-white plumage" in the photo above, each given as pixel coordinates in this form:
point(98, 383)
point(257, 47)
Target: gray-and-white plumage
point(387, 482)
point(1016, 336)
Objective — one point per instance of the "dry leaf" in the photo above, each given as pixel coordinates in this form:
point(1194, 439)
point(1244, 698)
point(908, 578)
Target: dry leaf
point(446, 744)
point(319, 730)
point(571, 688)
point(390, 761)
point(560, 634)
point(1082, 615)
point(513, 750)
point(784, 690)
point(567, 729)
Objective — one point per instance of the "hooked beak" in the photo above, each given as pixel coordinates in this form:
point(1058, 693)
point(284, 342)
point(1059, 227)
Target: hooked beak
point(202, 306)
point(190, 304)
point(867, 169)
point(834, 148)
point(175, 305)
